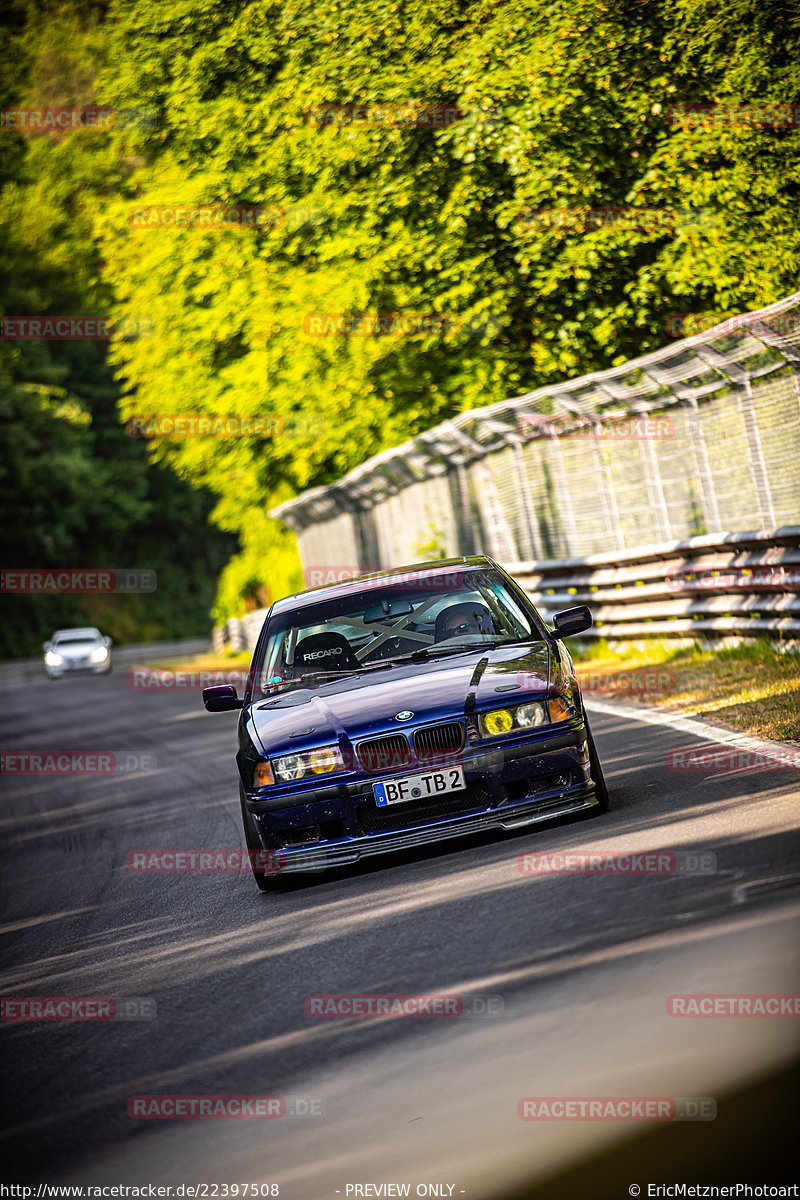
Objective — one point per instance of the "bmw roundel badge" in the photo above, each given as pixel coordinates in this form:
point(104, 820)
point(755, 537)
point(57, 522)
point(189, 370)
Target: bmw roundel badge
point(405, 715)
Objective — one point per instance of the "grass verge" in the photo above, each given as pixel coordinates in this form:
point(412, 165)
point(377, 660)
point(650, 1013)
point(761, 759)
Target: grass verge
point(751, 688)
point(205, 662)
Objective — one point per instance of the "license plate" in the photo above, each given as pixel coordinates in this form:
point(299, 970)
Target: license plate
point(418, 787)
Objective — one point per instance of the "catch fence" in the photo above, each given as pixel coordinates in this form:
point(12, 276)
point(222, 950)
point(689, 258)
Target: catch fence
point(700, 439)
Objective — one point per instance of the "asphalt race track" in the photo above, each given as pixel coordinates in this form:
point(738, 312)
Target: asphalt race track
point(578, 967)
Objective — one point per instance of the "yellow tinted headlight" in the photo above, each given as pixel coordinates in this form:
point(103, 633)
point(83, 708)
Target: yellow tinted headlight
point(523, 717)
point(292, 767)
point(323, 761)
point(498, 721)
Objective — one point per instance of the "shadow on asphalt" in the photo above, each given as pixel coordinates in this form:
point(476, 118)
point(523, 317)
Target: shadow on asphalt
point(231, 966)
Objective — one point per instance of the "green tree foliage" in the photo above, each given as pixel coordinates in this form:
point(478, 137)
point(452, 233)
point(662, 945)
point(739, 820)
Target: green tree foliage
point(564, 105)
point(561, 106)
point(75, 490)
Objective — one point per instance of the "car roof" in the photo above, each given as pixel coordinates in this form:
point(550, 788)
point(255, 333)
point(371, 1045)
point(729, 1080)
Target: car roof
point(332, 591)
point(89, 631)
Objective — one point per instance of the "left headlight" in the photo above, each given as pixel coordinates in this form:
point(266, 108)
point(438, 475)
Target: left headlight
point(52, 659)
point(99, 655)
point(524, 716)
point(324, 761)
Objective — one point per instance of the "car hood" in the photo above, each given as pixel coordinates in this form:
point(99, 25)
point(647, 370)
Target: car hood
point(367, 705)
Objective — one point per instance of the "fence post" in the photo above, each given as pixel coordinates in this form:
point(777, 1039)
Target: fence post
point(534, 541)
point(658, 502)
point(703, 469)
point(563, 497)
point(756, 453)
point(608, 496)
point(499, 535)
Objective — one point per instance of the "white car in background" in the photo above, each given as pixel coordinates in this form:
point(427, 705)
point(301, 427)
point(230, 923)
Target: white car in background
point(81, 651)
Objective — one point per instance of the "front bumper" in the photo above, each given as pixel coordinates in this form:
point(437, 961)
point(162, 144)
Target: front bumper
point(508, 787)
point(102, 668)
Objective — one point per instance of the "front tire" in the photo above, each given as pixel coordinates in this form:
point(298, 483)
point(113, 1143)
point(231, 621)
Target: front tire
point(601, 788)
point(265, 882)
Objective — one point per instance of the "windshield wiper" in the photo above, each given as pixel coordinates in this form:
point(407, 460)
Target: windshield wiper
point(448, 648)
point(275, 689)
point(382, 662)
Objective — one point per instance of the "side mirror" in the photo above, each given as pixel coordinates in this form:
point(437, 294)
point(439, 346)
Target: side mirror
point(221, 698)
point(572, 620)
point(107, 641)
point(47, 646)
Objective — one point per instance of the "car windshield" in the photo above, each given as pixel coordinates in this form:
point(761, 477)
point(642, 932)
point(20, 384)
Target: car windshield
point(83, 640)
point(390, 621)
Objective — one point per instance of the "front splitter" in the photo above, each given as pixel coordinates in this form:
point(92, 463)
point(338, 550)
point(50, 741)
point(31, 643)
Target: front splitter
point(318, 859)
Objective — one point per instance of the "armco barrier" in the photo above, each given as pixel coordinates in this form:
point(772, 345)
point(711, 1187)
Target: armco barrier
point(740, 584)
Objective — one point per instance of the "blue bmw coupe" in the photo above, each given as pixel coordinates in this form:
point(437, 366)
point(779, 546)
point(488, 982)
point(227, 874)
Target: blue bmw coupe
point(405, 707)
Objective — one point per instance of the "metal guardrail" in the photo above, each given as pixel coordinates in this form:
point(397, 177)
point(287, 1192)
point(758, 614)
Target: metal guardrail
point(717, 585)
point(25, 670)
point(741, 584)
